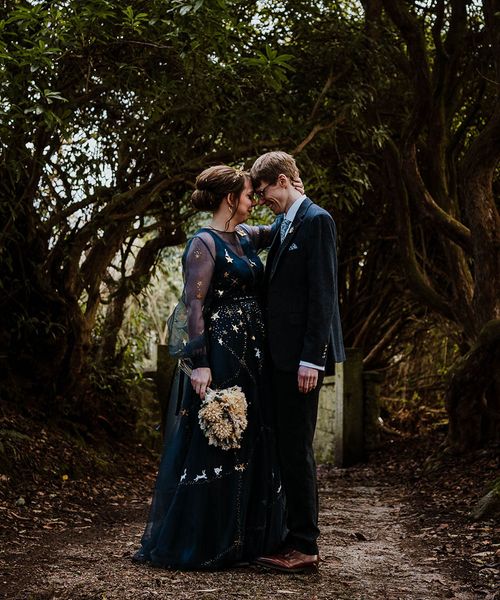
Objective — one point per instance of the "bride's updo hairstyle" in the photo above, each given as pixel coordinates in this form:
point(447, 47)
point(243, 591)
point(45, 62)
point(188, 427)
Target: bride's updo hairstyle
point(214, 184)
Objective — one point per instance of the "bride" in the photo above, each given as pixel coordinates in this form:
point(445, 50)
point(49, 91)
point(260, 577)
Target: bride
point(213, 508)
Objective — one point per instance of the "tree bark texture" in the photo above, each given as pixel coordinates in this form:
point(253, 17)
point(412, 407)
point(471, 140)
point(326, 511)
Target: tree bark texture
point(473, 394)
point(441, 182)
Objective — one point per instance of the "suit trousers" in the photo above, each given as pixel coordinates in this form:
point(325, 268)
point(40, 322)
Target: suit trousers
point(295, 417)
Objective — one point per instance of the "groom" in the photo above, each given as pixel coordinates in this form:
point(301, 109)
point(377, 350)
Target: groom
point(305, 342)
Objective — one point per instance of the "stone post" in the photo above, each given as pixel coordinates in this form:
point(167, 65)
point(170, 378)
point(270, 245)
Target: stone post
point(348, 431)
point(324, 445)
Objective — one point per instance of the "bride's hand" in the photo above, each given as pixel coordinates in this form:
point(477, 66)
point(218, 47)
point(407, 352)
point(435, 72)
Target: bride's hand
point(201, 378)
point(298, 184)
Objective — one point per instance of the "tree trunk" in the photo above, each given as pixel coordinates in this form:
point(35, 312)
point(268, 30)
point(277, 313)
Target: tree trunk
point(133, 284)
point(115, 313)
point(46, 342)
point(472, 397)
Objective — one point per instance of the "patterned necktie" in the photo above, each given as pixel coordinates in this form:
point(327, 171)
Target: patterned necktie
point(285, 224)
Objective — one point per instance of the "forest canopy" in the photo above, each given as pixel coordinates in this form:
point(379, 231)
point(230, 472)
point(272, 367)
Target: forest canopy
point(109, 110)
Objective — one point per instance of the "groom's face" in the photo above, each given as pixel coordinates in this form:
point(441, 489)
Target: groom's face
point(273, 195)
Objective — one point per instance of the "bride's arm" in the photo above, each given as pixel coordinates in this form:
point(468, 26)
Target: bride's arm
point(262, 236)
point(198, 271)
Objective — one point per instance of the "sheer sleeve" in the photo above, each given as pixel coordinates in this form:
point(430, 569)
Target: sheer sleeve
point(262, 236)
point(199, 262)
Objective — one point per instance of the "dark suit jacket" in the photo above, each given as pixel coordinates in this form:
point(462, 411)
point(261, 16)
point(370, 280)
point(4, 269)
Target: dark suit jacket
point(303, 318)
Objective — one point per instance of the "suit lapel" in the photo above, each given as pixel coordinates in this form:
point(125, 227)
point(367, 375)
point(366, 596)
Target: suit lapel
point(292, 231)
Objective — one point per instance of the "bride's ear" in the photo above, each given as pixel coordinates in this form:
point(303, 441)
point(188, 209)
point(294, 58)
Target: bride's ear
point(229, 199)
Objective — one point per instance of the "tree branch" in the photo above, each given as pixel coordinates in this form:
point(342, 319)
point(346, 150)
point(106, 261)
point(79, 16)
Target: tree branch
point(314, 132)
point(383, 342)
point(447, 224)
point(328, 84)
point(414, 37)
point(416, 278)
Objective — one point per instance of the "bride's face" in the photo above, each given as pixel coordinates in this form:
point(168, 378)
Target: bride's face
point(245, 203)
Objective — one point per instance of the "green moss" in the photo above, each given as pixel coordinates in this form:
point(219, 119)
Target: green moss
point(13, 435)
point(496, 487)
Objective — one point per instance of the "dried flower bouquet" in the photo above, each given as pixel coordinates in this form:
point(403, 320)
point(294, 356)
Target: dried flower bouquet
point(222, 415)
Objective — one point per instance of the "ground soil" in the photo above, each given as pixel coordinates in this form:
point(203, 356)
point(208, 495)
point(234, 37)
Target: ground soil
point(395, 527)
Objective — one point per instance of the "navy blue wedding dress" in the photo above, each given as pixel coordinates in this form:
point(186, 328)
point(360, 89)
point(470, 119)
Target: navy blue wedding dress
point(212, 508)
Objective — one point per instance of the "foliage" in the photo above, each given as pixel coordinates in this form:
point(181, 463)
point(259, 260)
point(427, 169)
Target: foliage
point(404, 107)
point(109, 111)
point(414, 383)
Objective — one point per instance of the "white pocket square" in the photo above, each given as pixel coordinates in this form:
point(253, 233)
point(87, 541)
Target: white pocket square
point(293, 247)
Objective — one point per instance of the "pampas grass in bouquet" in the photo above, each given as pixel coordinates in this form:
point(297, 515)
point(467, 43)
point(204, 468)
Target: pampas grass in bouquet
point(222, 415)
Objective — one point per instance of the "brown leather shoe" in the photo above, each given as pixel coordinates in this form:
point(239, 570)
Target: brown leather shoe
point(291, 561)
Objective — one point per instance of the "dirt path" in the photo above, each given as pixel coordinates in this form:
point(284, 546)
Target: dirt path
point(367, 549)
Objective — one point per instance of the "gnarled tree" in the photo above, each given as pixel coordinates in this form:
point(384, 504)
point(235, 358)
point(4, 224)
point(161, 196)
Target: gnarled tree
point(109, 112)
point(442, 162)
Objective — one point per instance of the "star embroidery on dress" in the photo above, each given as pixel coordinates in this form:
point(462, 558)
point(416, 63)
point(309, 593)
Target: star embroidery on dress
point(257, 352)
point(239, 311)
point(215, 316)
point(228, 258)
point(253, 337)
point(220, 292)
point(221, 341)
point(235, 327)
point(226, 274)
point(240, 467)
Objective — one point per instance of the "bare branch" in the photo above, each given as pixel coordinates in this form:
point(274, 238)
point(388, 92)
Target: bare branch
point(417, 279)
point(448, 225)
point(328, 84)
point(388, 336)
point(414, 37)
point(314, 132)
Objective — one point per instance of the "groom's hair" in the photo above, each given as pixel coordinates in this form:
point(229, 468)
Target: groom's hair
point(271, 164)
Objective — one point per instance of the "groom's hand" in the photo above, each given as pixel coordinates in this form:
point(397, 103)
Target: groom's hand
point(201, 378)
point(307, 379)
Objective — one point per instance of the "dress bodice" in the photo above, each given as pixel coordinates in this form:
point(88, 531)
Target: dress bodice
point(238, 271)
point(219, 267)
